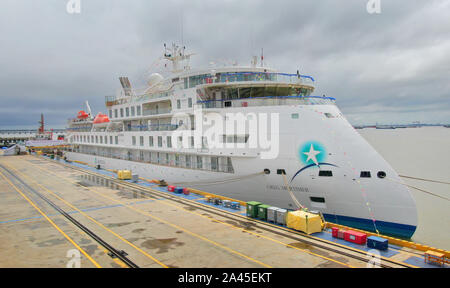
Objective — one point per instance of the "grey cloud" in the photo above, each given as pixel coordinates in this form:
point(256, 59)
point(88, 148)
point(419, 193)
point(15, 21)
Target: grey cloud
point(391, 67)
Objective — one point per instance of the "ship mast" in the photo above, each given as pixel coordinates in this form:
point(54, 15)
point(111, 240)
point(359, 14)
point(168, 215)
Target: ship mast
point(177, 55)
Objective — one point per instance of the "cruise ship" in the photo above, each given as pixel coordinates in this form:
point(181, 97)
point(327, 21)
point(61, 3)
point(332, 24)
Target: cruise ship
point(249, 133)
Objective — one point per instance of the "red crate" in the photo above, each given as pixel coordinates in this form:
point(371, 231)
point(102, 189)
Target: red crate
point(171, 188)
point(355, 237)
point(186, 191)
point(334, 232)
point(341, 233)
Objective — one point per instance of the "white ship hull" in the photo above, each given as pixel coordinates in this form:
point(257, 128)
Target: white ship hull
point(375, 203)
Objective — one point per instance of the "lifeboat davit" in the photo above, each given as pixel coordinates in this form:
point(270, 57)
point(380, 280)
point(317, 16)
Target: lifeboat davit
point(101, 119)
point(82, 115)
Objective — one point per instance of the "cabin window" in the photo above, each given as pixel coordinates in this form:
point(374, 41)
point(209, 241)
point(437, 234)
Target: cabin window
point(190, 102)
point(141, 140)
point(188, 161)
point(317, 199)
point(294, 116)
point(127, 112)
point(185, 83)
point(326, 173)
point(178, 104)
point(214, 163)
point(132, 111)
point(199, 162)
point(106, 139)
point(115, 113)
point(138, 110)
point(365, 174)
point(96, 139)
point(110, 113)
point(150, 141)
point(329, 115)
point(159, 141)
point(116, 139)
point(110, 139)
point(169, 141)
point(133, 139)
point(121, 112)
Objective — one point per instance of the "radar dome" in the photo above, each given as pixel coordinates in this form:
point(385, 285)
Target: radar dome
point(154, 79)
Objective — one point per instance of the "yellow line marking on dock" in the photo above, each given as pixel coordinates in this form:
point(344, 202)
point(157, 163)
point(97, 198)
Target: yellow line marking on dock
point(51, 222)
point(162, 220)
point(232, 226)
point(92, 219)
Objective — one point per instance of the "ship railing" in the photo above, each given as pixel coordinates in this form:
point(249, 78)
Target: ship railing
point(152, 127)
point(264, 76)
point(268, 101)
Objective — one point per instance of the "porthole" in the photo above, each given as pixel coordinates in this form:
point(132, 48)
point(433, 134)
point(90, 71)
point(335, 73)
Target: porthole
point(381, 174)
point(266, 171)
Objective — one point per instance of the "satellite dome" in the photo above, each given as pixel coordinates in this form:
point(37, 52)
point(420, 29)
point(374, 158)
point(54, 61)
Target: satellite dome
point(154, 79)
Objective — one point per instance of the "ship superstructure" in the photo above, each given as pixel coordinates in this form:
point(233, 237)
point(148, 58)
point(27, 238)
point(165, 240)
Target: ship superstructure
point(250, 133)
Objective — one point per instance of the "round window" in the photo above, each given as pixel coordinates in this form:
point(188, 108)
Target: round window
point(381, 174)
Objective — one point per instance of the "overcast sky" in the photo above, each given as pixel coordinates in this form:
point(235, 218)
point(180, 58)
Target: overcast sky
point(388, 68)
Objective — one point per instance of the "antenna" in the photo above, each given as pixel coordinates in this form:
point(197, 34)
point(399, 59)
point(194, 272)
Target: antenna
point(262, 57)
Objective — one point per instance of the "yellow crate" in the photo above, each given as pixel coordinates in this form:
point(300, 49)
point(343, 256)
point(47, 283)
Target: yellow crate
point(124, 174)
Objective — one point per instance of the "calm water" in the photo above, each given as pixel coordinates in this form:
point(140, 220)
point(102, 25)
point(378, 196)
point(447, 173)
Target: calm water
point(424, 153)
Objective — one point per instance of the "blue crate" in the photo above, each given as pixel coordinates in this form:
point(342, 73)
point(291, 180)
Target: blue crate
point(235, 205)
point(377, 243)
point(178, 190)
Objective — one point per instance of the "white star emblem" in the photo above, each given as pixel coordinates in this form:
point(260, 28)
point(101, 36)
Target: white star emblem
point(312, 155)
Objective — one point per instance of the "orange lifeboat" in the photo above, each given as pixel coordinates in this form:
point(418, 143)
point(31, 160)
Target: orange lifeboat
point(82, 115)
point(101, 119)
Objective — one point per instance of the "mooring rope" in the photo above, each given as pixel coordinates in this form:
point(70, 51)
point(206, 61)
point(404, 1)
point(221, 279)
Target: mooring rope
point(419, 189)
point(290, 192)
point(422, 179)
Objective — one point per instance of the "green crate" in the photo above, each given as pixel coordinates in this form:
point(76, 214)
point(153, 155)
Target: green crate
point(262, 211)
point(252, 209)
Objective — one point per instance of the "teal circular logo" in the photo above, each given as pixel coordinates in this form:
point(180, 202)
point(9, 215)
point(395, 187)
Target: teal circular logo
point(312, 152)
